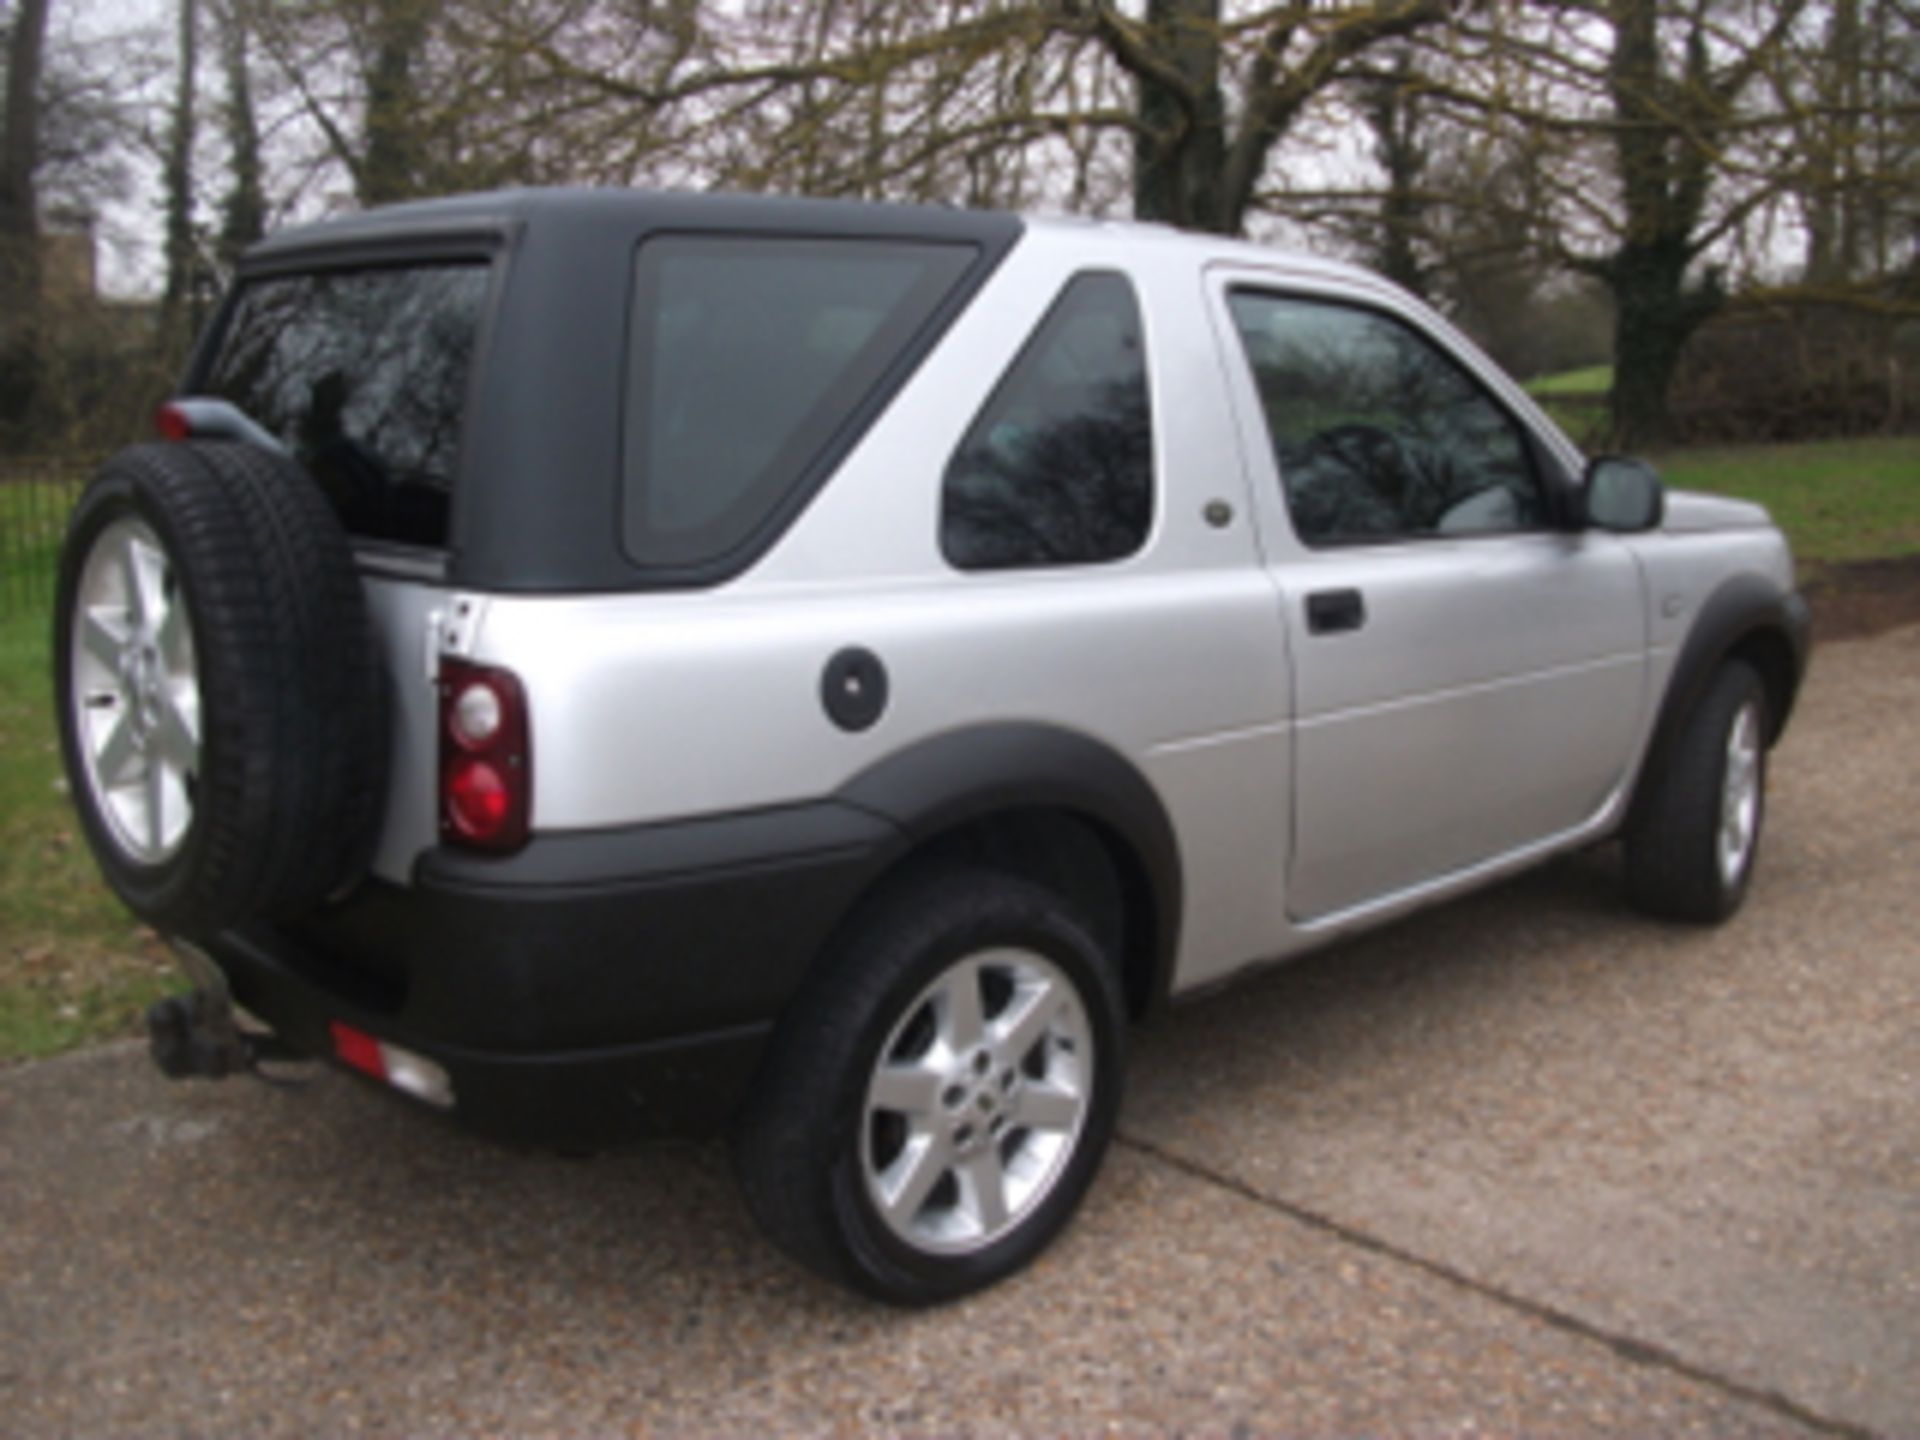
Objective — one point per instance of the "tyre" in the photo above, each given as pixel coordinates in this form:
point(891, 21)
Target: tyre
point(937, 1101)
point(1691, 854)
point(220, 699)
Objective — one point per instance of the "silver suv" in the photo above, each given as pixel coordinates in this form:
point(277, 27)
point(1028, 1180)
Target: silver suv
point(606, 664)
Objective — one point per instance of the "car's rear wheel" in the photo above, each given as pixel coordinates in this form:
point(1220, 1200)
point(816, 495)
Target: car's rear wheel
point(938, 1100)
point(1691, 852)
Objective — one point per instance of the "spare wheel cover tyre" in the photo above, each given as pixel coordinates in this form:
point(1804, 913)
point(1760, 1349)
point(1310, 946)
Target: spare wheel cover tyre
point(222, 704)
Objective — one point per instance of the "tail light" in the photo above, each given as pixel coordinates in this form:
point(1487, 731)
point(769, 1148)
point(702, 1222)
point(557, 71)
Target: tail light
point(207, 417)
point(486, 761)
point(172, 423)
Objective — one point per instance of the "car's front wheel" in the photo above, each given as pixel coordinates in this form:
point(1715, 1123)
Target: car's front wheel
point(936, 1103)
point(1690, 855)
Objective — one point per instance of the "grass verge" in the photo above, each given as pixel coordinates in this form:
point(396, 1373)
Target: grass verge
point(1577, 401)
point(74, 966)
point(1593, 380)
point(1839, 501)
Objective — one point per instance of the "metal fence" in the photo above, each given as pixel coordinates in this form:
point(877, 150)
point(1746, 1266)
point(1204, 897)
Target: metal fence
point(35, 498)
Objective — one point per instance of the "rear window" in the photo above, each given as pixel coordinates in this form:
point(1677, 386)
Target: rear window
point(362, 374)
point(751, 358)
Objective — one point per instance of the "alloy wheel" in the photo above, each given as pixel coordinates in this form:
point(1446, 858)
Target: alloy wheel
point(135, 692)
point(977, 1102)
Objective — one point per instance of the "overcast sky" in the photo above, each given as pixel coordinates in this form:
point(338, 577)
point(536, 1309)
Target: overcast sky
point(129, 240)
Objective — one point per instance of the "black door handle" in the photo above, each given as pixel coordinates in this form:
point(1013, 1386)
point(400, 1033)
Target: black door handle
point(1330, 611)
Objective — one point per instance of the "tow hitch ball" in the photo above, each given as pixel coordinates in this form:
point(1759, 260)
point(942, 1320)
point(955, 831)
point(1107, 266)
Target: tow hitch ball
point(195, 1035)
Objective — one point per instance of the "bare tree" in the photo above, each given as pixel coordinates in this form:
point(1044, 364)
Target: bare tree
point(1631, 141)
point(1653, 151)
point(177, 320)
point(1390, 103)
point(392, 166)
point(1855, 157)
point(1830, 202)
point(19, 210)
point(980, 101)
point(1670, 124)
point(360, 75)
point(243, 210)
point(1198, 163)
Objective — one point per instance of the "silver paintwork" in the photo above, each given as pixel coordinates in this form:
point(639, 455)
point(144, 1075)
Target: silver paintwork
point(453, 626)
point(135, 692)
point(1494, 710)
point(1688, 512)
point(976, 1102)
point(1682, 569)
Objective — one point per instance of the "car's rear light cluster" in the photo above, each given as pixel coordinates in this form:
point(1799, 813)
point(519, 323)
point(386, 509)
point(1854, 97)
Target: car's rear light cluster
point(486, 761)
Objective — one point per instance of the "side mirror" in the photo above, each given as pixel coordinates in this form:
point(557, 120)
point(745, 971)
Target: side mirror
point(1622, 495)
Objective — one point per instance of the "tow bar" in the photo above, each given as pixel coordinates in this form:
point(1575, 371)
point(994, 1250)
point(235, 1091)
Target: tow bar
point(198, 1035)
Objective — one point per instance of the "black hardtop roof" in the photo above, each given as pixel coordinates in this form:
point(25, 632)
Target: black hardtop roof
point(499, 214)
point(542, 459)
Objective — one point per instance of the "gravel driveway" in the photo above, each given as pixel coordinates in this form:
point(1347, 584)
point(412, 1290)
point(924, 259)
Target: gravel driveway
point(1523, 1164)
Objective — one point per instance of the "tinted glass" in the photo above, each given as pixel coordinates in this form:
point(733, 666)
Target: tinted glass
point(749, 356)
point(1058, 468)
point(362, 374)
point(1379, 434)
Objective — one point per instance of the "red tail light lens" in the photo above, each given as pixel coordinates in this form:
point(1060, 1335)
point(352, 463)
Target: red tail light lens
point(172, 423)
point(477, 799)
point(486, 764)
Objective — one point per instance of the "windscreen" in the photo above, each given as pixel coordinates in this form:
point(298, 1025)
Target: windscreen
point(362, 375)
point(750, 356)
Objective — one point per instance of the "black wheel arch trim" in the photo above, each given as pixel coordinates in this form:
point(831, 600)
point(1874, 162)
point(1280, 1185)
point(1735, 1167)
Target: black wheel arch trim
point(1741, 608)
point(949, 780)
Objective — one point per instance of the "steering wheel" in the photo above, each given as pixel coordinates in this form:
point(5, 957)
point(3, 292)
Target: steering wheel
point(1350, 479)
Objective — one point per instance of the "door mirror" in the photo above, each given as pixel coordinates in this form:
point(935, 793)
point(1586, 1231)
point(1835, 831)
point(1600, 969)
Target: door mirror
point(1622, 494)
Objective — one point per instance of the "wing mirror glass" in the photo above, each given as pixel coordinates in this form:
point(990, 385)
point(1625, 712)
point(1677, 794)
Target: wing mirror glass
point(1622, 494)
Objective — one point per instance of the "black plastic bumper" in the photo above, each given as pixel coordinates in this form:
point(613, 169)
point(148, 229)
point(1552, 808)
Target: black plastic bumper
point(595, 988)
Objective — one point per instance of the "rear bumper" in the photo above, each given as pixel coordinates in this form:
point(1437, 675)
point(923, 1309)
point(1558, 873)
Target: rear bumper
point(566, 1099)
point(592, 989)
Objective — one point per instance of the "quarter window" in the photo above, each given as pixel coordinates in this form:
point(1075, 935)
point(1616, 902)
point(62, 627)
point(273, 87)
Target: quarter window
point(1057, 469)
point(1378, 433)
point(750, 356)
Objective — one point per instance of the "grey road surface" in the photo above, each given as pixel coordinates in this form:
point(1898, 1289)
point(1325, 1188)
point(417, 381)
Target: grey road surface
point(1524, 1165)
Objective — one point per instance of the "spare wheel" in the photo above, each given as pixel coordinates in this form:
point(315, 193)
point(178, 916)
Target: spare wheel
point(221, 700)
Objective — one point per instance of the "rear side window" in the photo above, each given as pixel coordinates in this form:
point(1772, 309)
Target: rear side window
point(751, 357)
point(362, 374)
point(1057, 469)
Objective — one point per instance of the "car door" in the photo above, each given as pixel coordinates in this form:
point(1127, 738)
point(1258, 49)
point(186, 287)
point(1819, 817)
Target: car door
point(1468, 672)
